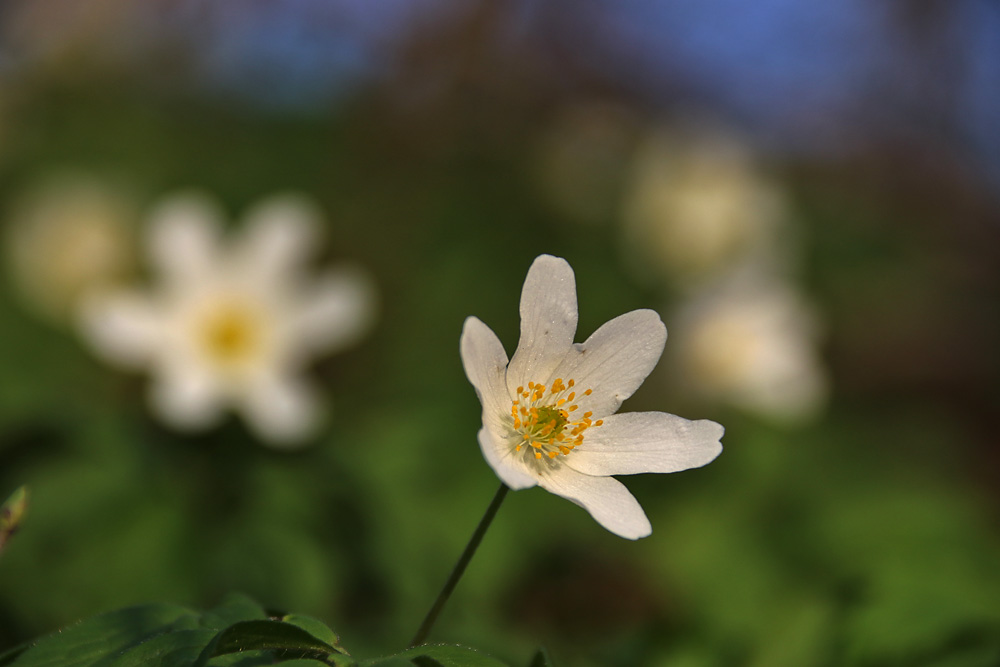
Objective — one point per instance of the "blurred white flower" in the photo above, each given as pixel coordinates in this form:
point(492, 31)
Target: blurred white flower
point(68, 235)
point(697, 203)
point(548, 414)
point(232, 324)
point(751, 341)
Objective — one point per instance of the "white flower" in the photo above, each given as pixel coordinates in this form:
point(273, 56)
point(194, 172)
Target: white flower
point(548, 415)
point(697, 204)
point(69, 234)
point(232, 325)
point(751, 341)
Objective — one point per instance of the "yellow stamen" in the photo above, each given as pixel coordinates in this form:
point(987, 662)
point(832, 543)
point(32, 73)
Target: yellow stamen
point(543, 417)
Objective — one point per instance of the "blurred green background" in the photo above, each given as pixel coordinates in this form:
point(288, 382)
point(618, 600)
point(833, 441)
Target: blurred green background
point(851, 519)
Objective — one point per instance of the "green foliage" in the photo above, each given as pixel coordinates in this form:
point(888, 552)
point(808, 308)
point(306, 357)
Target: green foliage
point(237, 633)
point(264, 635)
point(437, 655)
point(542, 659)
point(101, 637)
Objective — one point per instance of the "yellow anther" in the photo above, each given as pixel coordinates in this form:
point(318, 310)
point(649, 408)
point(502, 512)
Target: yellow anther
point(598, 422)
point(542, 416)
point(588, 392)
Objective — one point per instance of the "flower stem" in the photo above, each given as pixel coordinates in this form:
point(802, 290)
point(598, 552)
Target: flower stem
point(463, 562)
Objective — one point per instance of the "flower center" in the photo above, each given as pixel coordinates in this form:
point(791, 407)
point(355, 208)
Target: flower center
point(544, 423)
point(230, 334)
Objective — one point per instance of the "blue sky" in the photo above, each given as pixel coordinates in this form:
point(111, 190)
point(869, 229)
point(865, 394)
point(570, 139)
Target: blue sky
point(800, 73)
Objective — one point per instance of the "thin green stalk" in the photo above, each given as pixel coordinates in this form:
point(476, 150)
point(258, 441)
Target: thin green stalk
point(463, 562)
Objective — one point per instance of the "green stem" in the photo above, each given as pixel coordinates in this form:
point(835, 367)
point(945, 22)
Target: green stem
point(463, 562)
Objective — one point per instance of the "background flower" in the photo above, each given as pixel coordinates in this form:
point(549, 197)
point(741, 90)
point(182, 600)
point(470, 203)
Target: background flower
point(697, 205)
point(232, 324)
point(66, 235)
point(751, 341)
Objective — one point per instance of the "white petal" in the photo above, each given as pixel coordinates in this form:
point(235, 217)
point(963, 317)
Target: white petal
point(485, 363)
point(184, 237)
point(507, 467)
point(280, 233)
point(186, 397)
point(281, 410)
point(615, 360)
point(123, 327)
point(638, 442)
point(548, 321)
point(336, 311)
point(607, 500)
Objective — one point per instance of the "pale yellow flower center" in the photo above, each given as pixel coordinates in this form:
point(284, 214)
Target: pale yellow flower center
point(231, 334)
point(544, 422)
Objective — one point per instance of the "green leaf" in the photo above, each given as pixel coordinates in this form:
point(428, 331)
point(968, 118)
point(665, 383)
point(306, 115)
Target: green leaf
point(315, 627)
point(234, 608)
point(262, 635)
point(541, 659)
point(443, 655)
point(426, 661)
point(97, 638)
point(8, 657)
point(237, 633)
point(171, 649)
